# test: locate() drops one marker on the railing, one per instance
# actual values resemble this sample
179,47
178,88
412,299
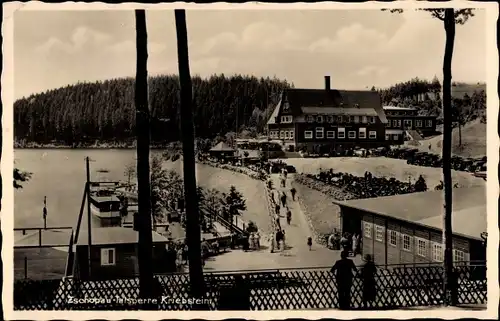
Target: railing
265,289
40,238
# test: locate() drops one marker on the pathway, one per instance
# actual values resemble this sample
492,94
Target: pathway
297,254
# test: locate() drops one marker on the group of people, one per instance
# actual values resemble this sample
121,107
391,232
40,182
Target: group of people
253,241
345,270
350,243
367,186
279,200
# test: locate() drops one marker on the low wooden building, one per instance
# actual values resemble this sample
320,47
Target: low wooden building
114,254
222,151
408,228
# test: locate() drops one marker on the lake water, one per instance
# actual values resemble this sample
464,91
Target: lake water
60,175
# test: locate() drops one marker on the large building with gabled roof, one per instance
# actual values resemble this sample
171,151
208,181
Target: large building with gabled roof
325,120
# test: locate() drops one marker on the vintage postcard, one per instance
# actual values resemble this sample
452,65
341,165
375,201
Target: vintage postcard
255,160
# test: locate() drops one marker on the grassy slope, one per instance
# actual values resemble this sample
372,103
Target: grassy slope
473,141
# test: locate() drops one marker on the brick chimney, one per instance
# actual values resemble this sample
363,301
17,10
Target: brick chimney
327,83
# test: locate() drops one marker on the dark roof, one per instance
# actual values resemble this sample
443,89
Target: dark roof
426,208
222,147
321,98
115,235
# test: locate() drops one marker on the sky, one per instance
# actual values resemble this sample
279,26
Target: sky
358,49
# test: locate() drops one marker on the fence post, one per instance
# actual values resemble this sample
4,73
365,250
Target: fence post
40,237
25,267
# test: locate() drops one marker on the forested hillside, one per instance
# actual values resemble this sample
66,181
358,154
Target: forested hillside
469,100
104,112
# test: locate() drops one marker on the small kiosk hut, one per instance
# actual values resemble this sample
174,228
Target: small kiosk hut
222,151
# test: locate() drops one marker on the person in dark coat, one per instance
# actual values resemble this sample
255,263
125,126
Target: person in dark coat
369,285
283,199
293,191
343,269
235,298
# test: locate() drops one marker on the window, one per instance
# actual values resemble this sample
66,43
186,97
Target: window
108,257
407,123
368,230
395,136
393,238
372,120
356,119
352,134
319,132
421,247
362,133
286,119
458,256
287,135
329,119
341,133
348,119
292,134
282,134
406,243
372,134
428,123
418,123
379,233
364,120
309,118
437,252
396,123
330,134
387,136
340,119
319,119
308,134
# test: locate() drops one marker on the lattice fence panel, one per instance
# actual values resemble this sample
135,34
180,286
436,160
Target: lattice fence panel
396,287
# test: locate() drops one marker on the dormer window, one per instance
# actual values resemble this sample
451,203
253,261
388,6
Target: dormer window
372,120
319,119
309,118
286,106
340,119
286,119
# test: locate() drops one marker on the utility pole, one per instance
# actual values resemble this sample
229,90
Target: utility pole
143,139
192,210
89,214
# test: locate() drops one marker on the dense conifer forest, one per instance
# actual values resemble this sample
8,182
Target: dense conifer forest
103,112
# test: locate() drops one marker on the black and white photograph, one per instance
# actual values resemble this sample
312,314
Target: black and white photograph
295,158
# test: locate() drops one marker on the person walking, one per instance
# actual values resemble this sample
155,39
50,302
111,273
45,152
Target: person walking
293,191
277,209
257,240
343,270
288,215
283,199
368,272
309,242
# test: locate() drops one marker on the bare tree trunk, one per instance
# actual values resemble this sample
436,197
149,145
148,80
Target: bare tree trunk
449,25
143,181
192,210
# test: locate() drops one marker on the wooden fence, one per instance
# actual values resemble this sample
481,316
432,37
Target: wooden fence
397,287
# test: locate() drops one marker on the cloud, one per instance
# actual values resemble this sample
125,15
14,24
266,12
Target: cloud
81,39
372,71
352,38
256,37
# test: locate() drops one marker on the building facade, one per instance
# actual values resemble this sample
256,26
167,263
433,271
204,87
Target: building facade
325,120
405,123
395,229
